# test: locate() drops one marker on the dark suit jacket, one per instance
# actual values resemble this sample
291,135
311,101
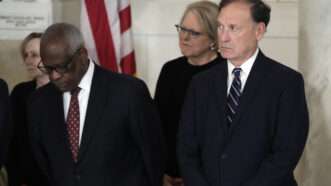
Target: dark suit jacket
21,166
121,141
266,138
5,125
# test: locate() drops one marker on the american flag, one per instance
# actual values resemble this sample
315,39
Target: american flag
106,28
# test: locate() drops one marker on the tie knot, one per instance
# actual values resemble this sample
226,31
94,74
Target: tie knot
75,91
236,72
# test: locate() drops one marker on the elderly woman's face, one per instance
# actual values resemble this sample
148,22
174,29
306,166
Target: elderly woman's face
31,57
193,42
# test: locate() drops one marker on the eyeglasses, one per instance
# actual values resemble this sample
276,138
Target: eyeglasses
191,33
59,68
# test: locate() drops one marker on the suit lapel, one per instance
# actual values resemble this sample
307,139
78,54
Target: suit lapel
96,102
56,120
255,78
220,87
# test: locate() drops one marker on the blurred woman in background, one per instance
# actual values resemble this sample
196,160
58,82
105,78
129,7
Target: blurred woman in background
197,33
22,168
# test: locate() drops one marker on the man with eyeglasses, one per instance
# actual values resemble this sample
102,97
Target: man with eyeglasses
90,126
245,122
60,68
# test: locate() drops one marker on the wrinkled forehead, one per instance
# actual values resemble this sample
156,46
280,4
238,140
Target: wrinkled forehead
235,13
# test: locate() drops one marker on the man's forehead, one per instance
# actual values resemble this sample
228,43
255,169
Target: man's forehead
238,7
235,13
53,55
54,49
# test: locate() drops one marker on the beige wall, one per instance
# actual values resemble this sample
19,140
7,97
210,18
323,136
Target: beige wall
156,39
156,42
11,68
314,57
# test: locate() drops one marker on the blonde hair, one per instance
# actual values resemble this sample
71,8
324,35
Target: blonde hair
26,40
206,13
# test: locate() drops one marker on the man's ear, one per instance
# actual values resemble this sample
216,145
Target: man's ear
260,30
83,50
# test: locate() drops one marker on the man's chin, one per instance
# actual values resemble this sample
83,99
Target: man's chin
61,87
226,54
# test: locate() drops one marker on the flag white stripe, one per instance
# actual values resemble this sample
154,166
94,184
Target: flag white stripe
123,4
127,39
122,42
87,33
114,24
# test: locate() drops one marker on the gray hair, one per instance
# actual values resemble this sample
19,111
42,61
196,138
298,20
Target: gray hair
63,33
206,13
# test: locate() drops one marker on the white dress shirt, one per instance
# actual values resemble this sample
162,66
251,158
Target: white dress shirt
83,97
245,70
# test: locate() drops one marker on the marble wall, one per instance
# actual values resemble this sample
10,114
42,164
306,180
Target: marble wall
298,36
314,62
155,37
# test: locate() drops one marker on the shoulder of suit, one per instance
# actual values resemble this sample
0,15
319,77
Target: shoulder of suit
120,80
113,76
172,69
281,69
3,87
24,85
3,83
211,73
43,92
174,63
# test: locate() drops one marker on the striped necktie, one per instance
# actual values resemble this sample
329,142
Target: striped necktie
234,96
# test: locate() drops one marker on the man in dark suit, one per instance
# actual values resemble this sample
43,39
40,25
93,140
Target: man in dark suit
245,121
90,126
4,121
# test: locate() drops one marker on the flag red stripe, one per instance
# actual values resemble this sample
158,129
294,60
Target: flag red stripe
128,64
125,19
97,14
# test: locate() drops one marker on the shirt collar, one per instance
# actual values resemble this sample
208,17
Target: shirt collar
246,66
85,83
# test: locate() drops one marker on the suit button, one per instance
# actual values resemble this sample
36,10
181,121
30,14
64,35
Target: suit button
77,177
224,156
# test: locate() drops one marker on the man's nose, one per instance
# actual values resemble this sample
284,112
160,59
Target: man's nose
54,75
223,36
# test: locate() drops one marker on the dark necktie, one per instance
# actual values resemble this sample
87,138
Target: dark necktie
73,123
234,96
